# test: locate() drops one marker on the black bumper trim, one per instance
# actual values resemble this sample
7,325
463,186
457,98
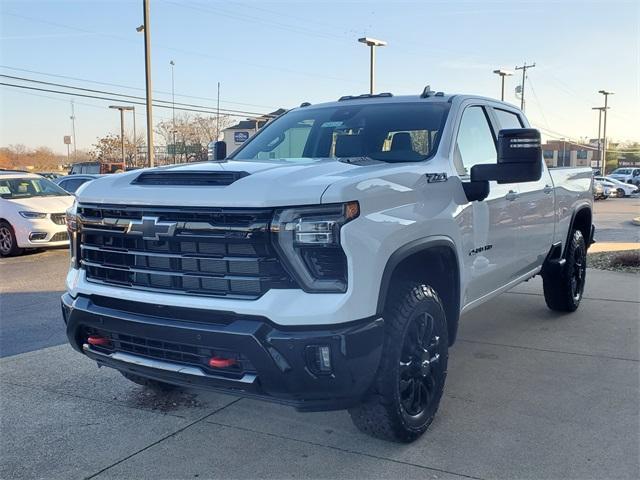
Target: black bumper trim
356,349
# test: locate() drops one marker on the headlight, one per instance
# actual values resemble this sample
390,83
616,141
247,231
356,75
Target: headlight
308,240
33,214
72,229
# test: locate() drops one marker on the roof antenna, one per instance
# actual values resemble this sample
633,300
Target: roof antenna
427,92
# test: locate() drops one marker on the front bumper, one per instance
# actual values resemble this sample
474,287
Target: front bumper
51,231
280,369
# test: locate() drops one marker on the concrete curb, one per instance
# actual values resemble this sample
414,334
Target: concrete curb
613,247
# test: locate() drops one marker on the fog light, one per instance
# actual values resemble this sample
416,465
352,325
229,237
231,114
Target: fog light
35,236
319,359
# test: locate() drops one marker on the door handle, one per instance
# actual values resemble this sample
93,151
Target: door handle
512,195
547,189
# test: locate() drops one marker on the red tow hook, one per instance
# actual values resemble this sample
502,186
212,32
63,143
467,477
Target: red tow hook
98,341
219,362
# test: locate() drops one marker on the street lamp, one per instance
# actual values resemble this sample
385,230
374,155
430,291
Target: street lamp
600,110
173,107
503,73
604,132
122,108
372,43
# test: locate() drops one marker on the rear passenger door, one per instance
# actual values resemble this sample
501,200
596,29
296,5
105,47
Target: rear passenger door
488,227
534,207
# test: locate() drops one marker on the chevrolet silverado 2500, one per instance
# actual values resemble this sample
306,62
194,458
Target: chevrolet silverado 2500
325,264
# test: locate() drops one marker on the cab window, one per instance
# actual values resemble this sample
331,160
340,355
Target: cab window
475,143
508,119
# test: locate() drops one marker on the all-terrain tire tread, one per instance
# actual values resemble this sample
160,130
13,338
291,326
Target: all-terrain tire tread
376,416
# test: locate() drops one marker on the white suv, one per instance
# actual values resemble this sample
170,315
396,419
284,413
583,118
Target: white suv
32,213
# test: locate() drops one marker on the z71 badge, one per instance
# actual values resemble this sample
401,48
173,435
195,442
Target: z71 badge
436,177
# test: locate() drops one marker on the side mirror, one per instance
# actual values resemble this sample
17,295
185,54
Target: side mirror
519,158
219,150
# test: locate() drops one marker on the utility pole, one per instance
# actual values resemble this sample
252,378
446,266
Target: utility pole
524,73
173,108
604,131
503,73
135,139
146,28
372,43
73,126
600,110
218,115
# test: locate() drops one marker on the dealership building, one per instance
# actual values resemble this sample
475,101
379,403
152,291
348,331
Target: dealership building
239,133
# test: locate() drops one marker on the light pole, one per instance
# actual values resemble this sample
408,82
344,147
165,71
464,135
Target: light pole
173,108
372,43
122,108
600,110
146,28
503,73
73,127
604,132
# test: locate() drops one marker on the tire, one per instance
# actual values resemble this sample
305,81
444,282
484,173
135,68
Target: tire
8,242
563,292
410,380
621,193
147,382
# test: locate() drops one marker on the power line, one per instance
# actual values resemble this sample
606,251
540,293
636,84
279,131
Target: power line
238,113
130,87
111,99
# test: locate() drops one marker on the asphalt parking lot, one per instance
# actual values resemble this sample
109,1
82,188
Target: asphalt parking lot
530,394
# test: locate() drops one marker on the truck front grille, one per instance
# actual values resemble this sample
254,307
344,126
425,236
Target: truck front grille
214,252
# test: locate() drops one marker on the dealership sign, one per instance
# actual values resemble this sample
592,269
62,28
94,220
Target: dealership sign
240,137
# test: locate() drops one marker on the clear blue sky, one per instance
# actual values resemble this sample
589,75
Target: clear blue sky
278,54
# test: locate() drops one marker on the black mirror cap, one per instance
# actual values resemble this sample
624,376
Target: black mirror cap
519,158
519,145
219,150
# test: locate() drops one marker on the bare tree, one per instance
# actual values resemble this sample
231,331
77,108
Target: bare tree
191,135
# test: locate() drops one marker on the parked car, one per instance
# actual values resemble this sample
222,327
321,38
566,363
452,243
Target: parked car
621,189
626,175
326,263
600,191
71,183
32,213
97,168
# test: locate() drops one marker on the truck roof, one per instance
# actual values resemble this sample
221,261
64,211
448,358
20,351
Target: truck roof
433,97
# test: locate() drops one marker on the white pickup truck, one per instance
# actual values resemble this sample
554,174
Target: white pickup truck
326,263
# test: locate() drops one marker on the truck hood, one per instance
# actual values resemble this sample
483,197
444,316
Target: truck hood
58,204
267,184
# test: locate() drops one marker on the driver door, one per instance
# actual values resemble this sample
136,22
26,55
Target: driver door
488,227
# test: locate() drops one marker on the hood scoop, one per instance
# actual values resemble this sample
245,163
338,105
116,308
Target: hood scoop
188,178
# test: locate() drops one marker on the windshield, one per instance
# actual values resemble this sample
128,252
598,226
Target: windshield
391,132
622,171
29,187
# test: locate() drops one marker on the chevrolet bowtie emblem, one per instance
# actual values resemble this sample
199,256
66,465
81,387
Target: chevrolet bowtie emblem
151,228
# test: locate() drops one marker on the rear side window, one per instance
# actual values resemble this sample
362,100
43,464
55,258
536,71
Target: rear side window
72,184
508,119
